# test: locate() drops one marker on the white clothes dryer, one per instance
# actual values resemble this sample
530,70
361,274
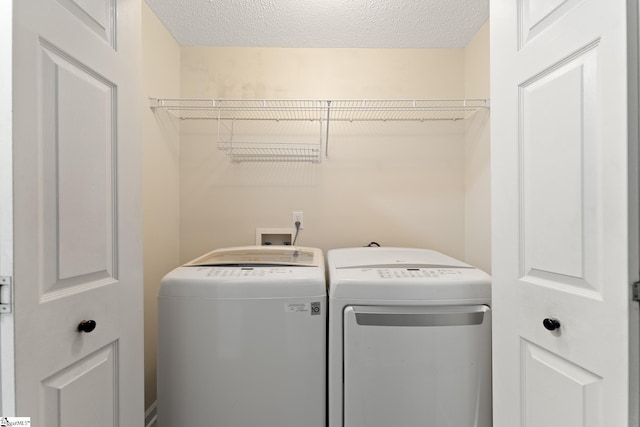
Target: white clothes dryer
409,339
242,339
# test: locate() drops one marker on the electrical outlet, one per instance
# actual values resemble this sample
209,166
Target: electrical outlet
297,217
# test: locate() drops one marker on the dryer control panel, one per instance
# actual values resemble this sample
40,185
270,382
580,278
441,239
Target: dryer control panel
406,273
401,273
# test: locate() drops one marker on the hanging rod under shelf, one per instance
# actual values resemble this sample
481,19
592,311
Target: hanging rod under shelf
305,110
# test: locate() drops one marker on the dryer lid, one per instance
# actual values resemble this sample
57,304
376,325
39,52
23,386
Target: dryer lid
386,274
389,257
261,255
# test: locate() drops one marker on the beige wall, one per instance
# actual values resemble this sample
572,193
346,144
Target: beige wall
418,185
397,184
477,155
161,78
250,73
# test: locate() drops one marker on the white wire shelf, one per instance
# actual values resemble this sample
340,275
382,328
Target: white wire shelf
272,152
339,110
231,113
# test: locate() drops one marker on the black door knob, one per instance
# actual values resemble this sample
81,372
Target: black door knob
551,324
87,326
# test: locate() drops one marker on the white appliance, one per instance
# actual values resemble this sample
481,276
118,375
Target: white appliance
242,339
409,340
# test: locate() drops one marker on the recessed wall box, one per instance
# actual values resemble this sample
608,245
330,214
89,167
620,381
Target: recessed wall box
274,236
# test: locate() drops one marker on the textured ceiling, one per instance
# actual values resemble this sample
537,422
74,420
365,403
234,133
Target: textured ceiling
323,23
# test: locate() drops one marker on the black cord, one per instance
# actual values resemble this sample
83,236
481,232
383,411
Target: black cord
296,235
372,244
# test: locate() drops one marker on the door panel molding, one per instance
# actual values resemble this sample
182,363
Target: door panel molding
98,16
92,380
78,220
537,16
560,136
573,392
561,283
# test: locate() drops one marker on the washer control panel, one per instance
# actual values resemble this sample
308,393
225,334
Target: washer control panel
225,272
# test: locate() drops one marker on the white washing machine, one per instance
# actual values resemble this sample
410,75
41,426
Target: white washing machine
409,340
242,339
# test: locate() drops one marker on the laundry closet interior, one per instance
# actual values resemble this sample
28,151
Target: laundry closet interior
398,178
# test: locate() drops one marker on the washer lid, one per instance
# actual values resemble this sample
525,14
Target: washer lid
261,255
250,272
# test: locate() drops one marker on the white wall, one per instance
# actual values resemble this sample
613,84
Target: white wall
397,184
477,155
161,78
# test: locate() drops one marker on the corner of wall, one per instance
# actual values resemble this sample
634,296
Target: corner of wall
161,208
476,56
477,155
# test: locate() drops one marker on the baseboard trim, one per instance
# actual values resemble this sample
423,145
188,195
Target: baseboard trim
151,416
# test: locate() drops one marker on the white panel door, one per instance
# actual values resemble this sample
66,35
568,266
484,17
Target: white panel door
77,216
565,218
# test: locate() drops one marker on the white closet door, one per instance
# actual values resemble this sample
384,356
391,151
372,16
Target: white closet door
77,215
565,218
